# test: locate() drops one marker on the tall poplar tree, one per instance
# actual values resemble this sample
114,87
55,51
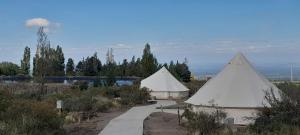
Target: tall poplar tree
41,59
149,62
25,62
59,62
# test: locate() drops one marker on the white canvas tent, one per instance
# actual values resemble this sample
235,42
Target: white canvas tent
239,90
163,85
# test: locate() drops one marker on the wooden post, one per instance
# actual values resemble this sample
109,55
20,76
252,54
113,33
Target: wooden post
218,119
161,108
178,114
60,111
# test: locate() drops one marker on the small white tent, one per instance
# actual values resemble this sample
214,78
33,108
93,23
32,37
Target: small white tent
239,90
163,85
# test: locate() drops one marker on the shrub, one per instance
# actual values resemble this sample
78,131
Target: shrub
5,101
292,90
102,104
282,113
82,85
31,117
83,101
203,123
110,92
132,95
98,83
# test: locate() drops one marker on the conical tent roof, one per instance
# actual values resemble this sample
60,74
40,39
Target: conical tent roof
237,85
163,80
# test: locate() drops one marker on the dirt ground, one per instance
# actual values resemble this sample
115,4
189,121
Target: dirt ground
94,125
160,123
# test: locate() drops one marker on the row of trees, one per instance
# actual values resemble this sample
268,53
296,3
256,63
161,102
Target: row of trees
50,61
142,67
92,66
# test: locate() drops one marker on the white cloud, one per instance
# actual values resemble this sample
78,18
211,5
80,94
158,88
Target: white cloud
42,22
39,22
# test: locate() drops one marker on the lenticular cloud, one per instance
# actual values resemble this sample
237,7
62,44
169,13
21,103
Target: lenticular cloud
40,22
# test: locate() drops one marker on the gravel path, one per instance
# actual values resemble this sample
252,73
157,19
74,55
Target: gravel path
131,122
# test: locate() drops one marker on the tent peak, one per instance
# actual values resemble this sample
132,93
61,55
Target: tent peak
164,69
239,59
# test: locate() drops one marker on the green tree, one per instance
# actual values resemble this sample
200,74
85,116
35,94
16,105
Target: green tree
183,72
131,67
149,62
8,68
111,73
70,67
59,62
80,68
25,62
172,69
91,66
96,64
139,67
124,68
180,71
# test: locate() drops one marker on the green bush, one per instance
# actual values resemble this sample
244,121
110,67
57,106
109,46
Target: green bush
202,123
292,90
90,100
110,92
31,117
282,113
132,95
82,103
98,83
82,85
5,101
102,104
24,114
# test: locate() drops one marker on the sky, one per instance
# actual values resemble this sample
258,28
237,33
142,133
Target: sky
206,32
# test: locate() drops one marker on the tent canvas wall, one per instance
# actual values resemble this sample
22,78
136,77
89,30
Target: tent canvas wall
163,85
239,90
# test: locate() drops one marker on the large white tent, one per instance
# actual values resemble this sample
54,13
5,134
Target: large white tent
239,90
163,85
